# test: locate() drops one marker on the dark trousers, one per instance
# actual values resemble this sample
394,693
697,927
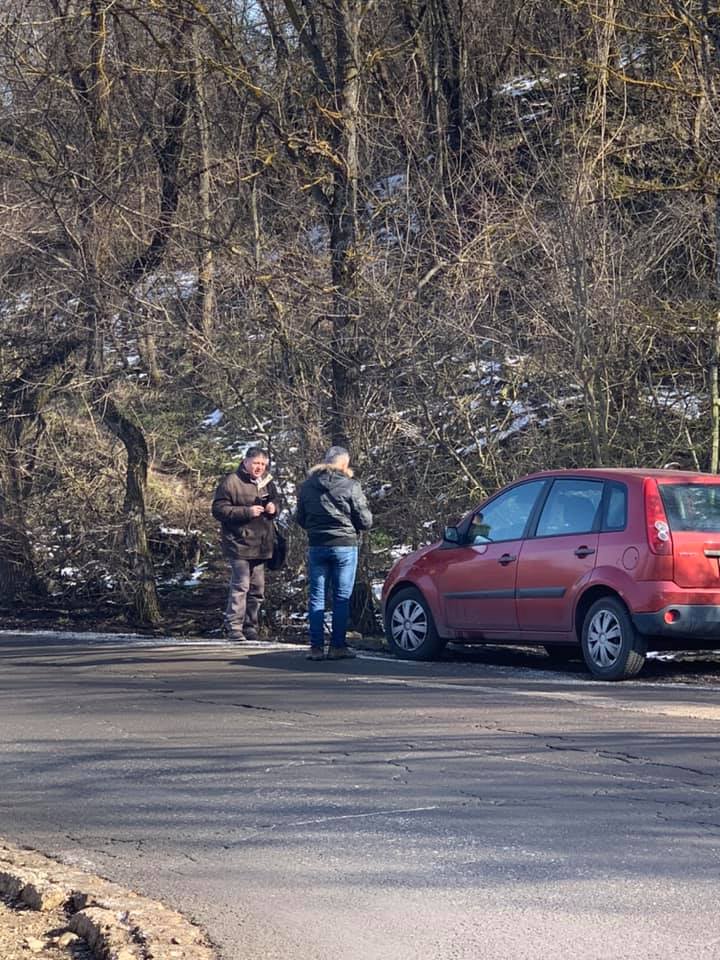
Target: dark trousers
246,593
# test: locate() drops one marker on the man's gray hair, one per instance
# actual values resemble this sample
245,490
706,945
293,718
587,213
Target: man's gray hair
336,453
252,452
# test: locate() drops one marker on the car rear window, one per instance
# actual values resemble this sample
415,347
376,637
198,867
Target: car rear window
692,506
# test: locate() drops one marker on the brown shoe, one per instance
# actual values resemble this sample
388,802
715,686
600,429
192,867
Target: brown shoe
315,653
341,653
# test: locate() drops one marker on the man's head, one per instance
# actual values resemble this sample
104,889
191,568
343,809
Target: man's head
337,457
255,462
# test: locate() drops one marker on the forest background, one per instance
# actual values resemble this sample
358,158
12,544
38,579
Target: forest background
468,238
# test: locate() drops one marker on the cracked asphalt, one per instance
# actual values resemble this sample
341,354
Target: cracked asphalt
482,807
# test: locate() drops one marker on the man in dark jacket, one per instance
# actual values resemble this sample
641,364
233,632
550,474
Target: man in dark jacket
333,510
245,503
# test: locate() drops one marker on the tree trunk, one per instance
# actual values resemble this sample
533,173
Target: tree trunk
17,569
149,351
715,399
141,590
206,266
22,402
344,227
715,356
363,612
344,265
18,578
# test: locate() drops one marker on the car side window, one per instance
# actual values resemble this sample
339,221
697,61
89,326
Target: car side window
571,507
505,517
616,509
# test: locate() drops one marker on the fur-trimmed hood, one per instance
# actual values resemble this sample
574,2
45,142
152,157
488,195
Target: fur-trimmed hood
332,507
346,471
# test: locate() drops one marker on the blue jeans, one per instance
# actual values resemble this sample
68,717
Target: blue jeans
330,568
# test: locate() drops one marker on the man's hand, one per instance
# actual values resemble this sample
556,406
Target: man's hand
257,510
270,508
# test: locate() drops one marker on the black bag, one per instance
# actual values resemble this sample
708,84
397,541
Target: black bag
280,547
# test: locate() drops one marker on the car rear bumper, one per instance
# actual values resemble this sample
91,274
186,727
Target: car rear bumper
694,621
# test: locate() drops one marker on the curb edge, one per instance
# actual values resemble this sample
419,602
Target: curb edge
117,923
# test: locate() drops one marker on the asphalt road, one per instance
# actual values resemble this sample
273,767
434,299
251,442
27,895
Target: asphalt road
477,808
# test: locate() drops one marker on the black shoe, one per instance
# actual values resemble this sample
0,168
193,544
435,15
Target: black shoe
315,653
251,635
341,653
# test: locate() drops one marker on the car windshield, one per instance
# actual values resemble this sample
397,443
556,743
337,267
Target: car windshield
693,507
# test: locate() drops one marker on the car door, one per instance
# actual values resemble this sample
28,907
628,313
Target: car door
559,554
477,582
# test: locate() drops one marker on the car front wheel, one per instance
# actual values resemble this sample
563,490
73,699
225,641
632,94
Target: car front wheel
611,646
409,627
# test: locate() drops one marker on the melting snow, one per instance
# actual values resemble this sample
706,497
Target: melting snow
213,419
688,405
518,86
388,186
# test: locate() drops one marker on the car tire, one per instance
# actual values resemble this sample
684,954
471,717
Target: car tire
409,627
612,647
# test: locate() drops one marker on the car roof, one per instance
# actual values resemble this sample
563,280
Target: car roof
634,473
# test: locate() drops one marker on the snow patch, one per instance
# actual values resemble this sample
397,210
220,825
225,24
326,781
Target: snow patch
389,186
685,404
212,419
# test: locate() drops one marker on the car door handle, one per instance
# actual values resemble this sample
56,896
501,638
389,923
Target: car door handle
507,558
584,552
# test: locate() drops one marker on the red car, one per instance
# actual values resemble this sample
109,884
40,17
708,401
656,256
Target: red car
603,560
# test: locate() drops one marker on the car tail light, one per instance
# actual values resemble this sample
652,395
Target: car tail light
656,524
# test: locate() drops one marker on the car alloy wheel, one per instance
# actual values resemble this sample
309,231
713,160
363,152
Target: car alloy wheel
604,638
612,647
410,628
409,625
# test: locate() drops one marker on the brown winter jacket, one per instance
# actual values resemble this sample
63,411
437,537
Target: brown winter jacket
245,537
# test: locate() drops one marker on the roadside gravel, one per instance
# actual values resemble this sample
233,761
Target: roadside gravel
27,933
53,911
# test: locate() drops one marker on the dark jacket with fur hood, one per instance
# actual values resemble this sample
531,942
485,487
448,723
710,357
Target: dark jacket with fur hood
332,508
245,537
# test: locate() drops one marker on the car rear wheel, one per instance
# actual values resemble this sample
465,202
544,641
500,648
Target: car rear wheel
409,627
612,647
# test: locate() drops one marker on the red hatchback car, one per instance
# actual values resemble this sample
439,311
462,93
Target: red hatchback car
609,560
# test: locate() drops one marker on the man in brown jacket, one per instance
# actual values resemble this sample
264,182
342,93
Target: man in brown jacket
245,503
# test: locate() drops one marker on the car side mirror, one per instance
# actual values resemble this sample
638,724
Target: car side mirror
451,535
